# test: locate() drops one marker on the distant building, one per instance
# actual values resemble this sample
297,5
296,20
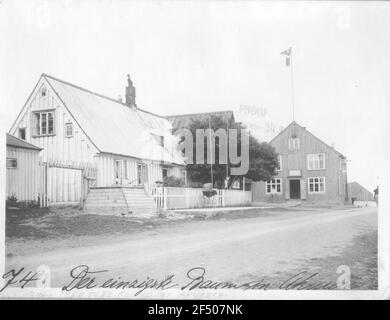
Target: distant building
182,121
23,180
357,191
309,169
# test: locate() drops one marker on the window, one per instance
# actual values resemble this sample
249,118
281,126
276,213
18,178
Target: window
279,167
316,185
125,173
12,163
69,130
43,123
273,186
293,144
22,133
43,92
316,161
159,139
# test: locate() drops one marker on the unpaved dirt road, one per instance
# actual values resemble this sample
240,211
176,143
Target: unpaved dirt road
229,250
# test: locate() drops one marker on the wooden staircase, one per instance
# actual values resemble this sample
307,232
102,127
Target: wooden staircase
138,202
120,201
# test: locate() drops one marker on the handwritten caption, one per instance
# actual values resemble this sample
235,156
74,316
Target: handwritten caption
82,277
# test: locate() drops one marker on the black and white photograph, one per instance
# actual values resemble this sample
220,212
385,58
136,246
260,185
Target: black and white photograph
213,150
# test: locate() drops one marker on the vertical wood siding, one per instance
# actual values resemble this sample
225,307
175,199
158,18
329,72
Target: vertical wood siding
77,148
23,181
65,185
106,170
297,160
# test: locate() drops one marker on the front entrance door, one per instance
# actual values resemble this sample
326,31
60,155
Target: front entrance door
118,172
141,174
295,189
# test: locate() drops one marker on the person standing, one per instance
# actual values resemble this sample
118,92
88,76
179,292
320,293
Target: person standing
376,193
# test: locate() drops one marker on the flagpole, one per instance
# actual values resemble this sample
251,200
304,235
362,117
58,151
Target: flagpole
289,63
292,85
211,156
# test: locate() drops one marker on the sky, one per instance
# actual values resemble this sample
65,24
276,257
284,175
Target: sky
188,57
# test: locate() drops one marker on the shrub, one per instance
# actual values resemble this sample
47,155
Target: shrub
12,201
172,181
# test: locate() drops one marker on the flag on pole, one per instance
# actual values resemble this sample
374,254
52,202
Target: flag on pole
287,53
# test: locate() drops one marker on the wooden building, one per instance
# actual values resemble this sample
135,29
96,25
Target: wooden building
184,121
309,170
23,181
93,141
357,191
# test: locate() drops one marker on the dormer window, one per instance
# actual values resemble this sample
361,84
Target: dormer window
159,139
69,130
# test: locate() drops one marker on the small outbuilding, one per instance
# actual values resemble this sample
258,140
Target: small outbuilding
23,180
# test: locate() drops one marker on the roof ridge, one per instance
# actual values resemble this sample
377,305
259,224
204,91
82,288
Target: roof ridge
81,88
98,94
197,114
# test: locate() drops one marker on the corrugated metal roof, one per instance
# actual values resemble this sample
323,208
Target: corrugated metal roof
184,120
116,128
13,141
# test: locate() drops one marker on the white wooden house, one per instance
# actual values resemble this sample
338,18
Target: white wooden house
23,180
94,144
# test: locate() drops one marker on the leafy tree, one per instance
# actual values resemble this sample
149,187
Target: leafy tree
262,156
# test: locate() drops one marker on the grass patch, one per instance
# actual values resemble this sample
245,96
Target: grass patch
39,224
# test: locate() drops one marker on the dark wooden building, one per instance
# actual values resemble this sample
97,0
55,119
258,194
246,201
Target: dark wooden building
309,169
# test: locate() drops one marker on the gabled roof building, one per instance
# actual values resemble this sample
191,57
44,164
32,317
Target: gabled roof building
181,121
78,128
309,169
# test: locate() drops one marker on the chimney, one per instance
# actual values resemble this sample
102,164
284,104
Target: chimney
130,93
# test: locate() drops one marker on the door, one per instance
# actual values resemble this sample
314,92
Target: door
165,173
295,189
118,172
141,174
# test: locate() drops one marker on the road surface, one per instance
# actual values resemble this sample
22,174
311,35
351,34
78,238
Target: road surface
228,250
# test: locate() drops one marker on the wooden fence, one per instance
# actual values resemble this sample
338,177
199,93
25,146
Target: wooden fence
182,198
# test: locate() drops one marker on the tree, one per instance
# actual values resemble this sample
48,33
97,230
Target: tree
263,159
